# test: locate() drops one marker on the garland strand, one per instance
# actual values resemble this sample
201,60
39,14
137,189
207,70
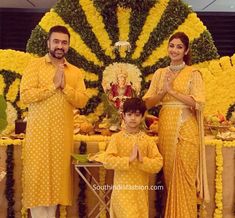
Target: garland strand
218,144
108,12
159,200
218,213
138,18
63,212
102,175
9,192
82,208
77,19
174,16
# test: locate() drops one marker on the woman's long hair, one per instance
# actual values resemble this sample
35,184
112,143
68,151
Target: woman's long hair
185,40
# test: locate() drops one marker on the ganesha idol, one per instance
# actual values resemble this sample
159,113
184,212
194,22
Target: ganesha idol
121,81
121,90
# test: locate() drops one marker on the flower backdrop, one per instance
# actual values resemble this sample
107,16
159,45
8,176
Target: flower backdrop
96,25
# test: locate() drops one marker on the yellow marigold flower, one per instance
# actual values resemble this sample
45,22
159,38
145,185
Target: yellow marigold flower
152,20
13,91
21,60
96,21
92,92
2,85
21,105
225,62
215,67
63,212
90,76
123,16
233,60
192,26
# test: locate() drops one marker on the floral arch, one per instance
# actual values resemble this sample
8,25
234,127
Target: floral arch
95,27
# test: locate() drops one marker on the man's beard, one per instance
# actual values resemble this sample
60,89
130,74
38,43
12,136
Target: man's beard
54,55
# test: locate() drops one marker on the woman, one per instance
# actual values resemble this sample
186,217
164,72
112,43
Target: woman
180,90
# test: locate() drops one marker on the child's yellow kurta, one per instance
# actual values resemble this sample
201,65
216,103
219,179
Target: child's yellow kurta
49,134
179,142
130,194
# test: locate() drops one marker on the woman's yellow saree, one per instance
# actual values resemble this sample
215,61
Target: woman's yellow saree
181,143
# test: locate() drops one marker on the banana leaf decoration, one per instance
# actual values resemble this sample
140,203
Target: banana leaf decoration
3,115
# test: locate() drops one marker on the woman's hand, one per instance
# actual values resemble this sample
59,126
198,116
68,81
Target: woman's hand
186,99
168,82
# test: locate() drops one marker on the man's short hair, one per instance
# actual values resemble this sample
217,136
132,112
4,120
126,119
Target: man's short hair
58,29
133,105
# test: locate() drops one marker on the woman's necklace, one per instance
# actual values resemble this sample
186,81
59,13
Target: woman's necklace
176,68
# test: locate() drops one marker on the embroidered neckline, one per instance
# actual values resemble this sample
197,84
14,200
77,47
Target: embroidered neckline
133,134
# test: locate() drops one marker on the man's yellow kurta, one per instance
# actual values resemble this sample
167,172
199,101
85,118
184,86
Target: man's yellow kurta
130,194
49,134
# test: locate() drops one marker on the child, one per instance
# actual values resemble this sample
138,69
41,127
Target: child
133,156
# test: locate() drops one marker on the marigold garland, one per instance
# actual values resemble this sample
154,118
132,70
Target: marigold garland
14,61
63,212
9,191
218,213
8,141
219,144
225,63
187,27
11,117
219,86
82,208
24,212
97,25
13,91
102,174
173,16
159,194
2,85
152,19
123,16
88,20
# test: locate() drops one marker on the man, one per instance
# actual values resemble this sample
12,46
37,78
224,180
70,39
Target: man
51,87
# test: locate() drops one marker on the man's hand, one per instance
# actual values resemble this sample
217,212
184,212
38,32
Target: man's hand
62,85
59,75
